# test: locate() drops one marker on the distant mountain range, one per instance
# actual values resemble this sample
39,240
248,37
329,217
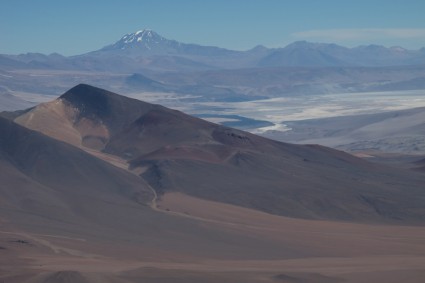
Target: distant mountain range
145,49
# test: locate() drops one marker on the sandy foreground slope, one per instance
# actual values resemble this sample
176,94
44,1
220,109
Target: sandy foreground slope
304,250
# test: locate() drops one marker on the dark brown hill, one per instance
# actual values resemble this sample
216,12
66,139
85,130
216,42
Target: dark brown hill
176,152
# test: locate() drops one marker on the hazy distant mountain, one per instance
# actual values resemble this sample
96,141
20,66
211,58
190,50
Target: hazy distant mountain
177,152
42,61
9,63
143,83
304,53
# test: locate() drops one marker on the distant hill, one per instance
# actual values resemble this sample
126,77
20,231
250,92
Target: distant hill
393,131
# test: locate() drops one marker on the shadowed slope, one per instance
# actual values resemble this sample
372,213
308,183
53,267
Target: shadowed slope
45,177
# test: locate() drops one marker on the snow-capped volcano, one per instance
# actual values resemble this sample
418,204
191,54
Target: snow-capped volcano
147,42
146,37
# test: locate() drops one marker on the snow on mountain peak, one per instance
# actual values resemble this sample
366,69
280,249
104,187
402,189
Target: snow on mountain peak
398,49
145,36
145,39
147,32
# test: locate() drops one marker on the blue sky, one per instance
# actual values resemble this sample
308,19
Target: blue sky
78,26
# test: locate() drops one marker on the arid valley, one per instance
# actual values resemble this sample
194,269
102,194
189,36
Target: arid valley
128,156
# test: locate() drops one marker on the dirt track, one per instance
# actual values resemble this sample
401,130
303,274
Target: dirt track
348,252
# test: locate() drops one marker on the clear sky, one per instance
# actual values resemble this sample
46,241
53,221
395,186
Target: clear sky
73,27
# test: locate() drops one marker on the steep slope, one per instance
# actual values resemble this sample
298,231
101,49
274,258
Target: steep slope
177,152
85,116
